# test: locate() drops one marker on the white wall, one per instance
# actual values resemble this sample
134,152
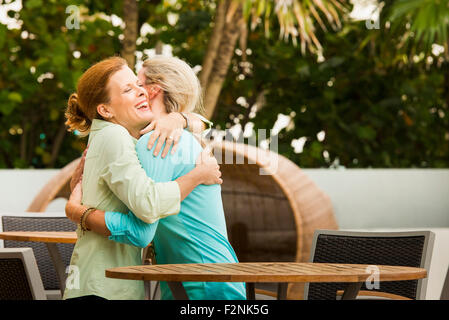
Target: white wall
386,198
365,198
19,187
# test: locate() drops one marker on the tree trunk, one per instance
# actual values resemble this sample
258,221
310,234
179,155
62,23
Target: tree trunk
57,142
130,17
23,141
159,47
445,70
221,63
214,42
7,158
32,144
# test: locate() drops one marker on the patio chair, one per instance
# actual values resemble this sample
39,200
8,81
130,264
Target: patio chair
412,249
445,291
41,222
20,278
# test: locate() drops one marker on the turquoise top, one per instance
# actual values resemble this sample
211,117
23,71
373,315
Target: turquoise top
196,235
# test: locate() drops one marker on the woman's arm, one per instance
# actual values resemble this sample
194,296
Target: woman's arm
74,210
95,221
169,130
207,170
119,227
122,172
126,228
125,177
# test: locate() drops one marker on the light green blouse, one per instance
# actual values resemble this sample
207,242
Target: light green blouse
114,180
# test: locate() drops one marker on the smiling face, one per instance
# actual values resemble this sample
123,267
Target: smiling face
128,105
155,96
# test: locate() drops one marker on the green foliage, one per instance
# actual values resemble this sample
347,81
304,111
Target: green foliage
428,21
39,71
373,114
377,107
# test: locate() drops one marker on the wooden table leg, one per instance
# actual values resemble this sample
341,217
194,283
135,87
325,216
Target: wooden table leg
282,291
351,291
147,261
250,291
58,263
147,286
178,290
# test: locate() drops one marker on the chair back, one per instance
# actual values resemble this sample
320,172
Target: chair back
20,279
411,249
42,223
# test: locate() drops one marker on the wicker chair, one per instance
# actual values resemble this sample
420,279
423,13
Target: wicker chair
44,261
411,249
20,279
272,208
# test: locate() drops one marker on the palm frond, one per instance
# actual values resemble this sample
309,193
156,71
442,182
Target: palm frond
297,18
428,22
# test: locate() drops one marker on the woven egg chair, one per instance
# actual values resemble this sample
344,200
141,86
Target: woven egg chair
272,208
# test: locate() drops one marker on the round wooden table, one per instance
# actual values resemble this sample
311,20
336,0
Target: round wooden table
50,238
280,272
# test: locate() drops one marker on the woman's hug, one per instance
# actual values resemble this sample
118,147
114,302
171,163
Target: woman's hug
126,194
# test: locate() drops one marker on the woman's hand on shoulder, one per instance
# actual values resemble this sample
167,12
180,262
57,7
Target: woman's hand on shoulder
168,129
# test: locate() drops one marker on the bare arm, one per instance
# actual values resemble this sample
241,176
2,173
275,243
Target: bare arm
74,210
118,227
96,219
169,130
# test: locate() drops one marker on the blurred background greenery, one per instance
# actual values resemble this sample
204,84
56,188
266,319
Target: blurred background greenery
337,89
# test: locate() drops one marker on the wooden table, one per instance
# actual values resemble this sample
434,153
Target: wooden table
251,273
50,238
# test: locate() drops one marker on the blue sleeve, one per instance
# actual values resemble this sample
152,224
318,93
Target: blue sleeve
128,229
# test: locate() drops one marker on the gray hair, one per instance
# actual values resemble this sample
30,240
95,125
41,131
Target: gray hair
182,89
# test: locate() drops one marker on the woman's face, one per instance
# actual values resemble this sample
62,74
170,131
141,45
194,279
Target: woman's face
156,100
128,104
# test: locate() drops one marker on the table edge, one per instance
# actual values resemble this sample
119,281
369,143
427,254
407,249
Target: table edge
110,273
13,236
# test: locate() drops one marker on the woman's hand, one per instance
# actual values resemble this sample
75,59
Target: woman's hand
74,209
168,129
208,167
77,193
78,173
207,171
